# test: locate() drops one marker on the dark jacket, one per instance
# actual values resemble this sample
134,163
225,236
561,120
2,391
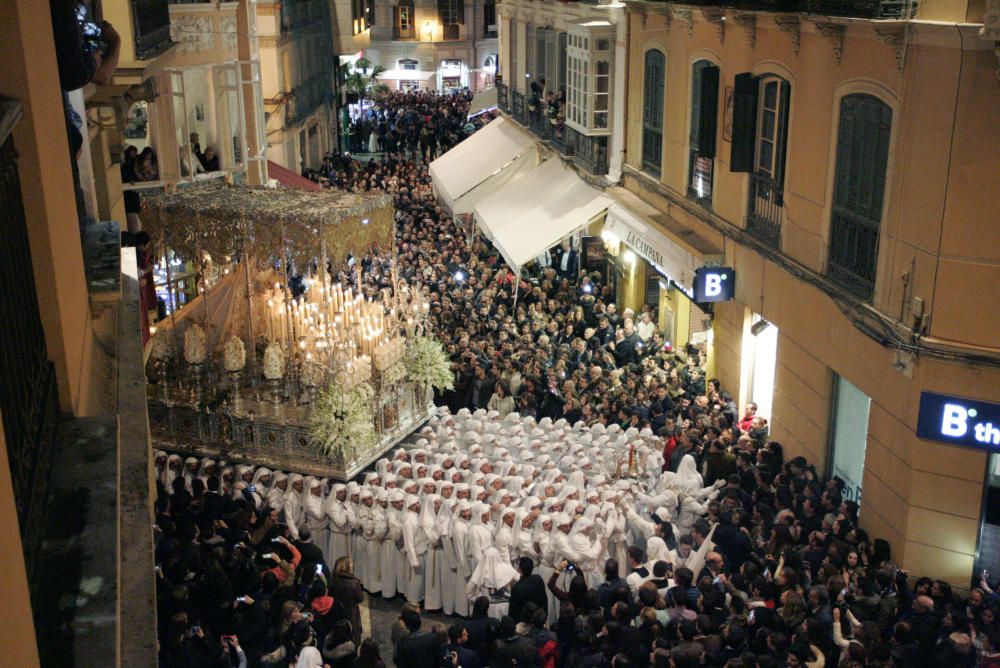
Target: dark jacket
347,592
466,657
417,650
516,652
528,589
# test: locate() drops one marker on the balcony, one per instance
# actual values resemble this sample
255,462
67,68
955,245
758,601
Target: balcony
590,152
853,252
503,97
151,26
519,107
403,33
452,32
764,210
872,9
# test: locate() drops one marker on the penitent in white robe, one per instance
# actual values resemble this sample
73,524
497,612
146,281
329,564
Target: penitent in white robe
340,528
389,553
373,530
463,565
414,549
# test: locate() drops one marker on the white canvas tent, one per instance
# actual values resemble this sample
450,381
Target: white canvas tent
483,101
532,214
492,157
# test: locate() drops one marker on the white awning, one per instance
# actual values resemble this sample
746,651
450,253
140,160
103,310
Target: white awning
482,101
479,165
406,75
538,210
638,231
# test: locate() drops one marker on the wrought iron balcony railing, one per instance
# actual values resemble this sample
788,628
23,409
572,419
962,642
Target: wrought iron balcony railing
503,98
853,252
452,32
518,107
881,9
590,153
764,210
403,33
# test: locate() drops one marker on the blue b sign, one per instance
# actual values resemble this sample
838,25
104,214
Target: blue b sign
974,424
714,284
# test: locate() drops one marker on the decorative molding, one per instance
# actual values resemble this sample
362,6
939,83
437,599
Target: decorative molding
748,21
228,24
835,33
685,15
792,26
894,36
716,16
193,33
663,10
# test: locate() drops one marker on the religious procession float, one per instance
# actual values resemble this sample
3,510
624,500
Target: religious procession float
320,376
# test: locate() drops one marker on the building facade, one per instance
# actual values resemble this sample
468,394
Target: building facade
298,79
842,158
433,44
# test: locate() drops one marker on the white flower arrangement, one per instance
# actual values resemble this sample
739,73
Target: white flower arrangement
342,423
396,373
274,362
234,354
428,364
163,346
195,344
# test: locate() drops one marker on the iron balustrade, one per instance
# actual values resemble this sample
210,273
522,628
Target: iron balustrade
590,152
503,97
452,32
151,26
28,396
403,33
853,252
764,210
518,107
880,9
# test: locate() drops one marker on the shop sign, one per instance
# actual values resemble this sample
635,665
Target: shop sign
973,424
643,247
714,284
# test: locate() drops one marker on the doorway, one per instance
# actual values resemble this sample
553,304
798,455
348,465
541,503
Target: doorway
760,355
849,436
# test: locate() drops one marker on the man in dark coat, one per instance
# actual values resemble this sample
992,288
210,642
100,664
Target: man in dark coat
420,648
529,589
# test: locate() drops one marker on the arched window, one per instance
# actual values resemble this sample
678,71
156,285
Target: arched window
652,111
859,192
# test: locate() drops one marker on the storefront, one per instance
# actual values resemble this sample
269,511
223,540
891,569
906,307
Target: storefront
655,269
453,74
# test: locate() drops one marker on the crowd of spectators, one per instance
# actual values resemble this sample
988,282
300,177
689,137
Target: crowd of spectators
790,578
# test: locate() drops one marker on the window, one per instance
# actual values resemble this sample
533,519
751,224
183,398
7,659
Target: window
404,23
654,71
451,12
859,190
490,18
589,54
760,135
704,112
359,22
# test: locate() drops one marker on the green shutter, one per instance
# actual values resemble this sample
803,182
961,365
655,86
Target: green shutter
744,122
782,146
708,110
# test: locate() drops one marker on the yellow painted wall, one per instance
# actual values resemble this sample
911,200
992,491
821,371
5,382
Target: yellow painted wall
938,225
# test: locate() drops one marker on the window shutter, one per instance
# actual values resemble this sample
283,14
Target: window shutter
709,105
460,11
744,122
786,94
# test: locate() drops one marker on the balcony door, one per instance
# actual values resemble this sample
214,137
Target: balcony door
704,115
